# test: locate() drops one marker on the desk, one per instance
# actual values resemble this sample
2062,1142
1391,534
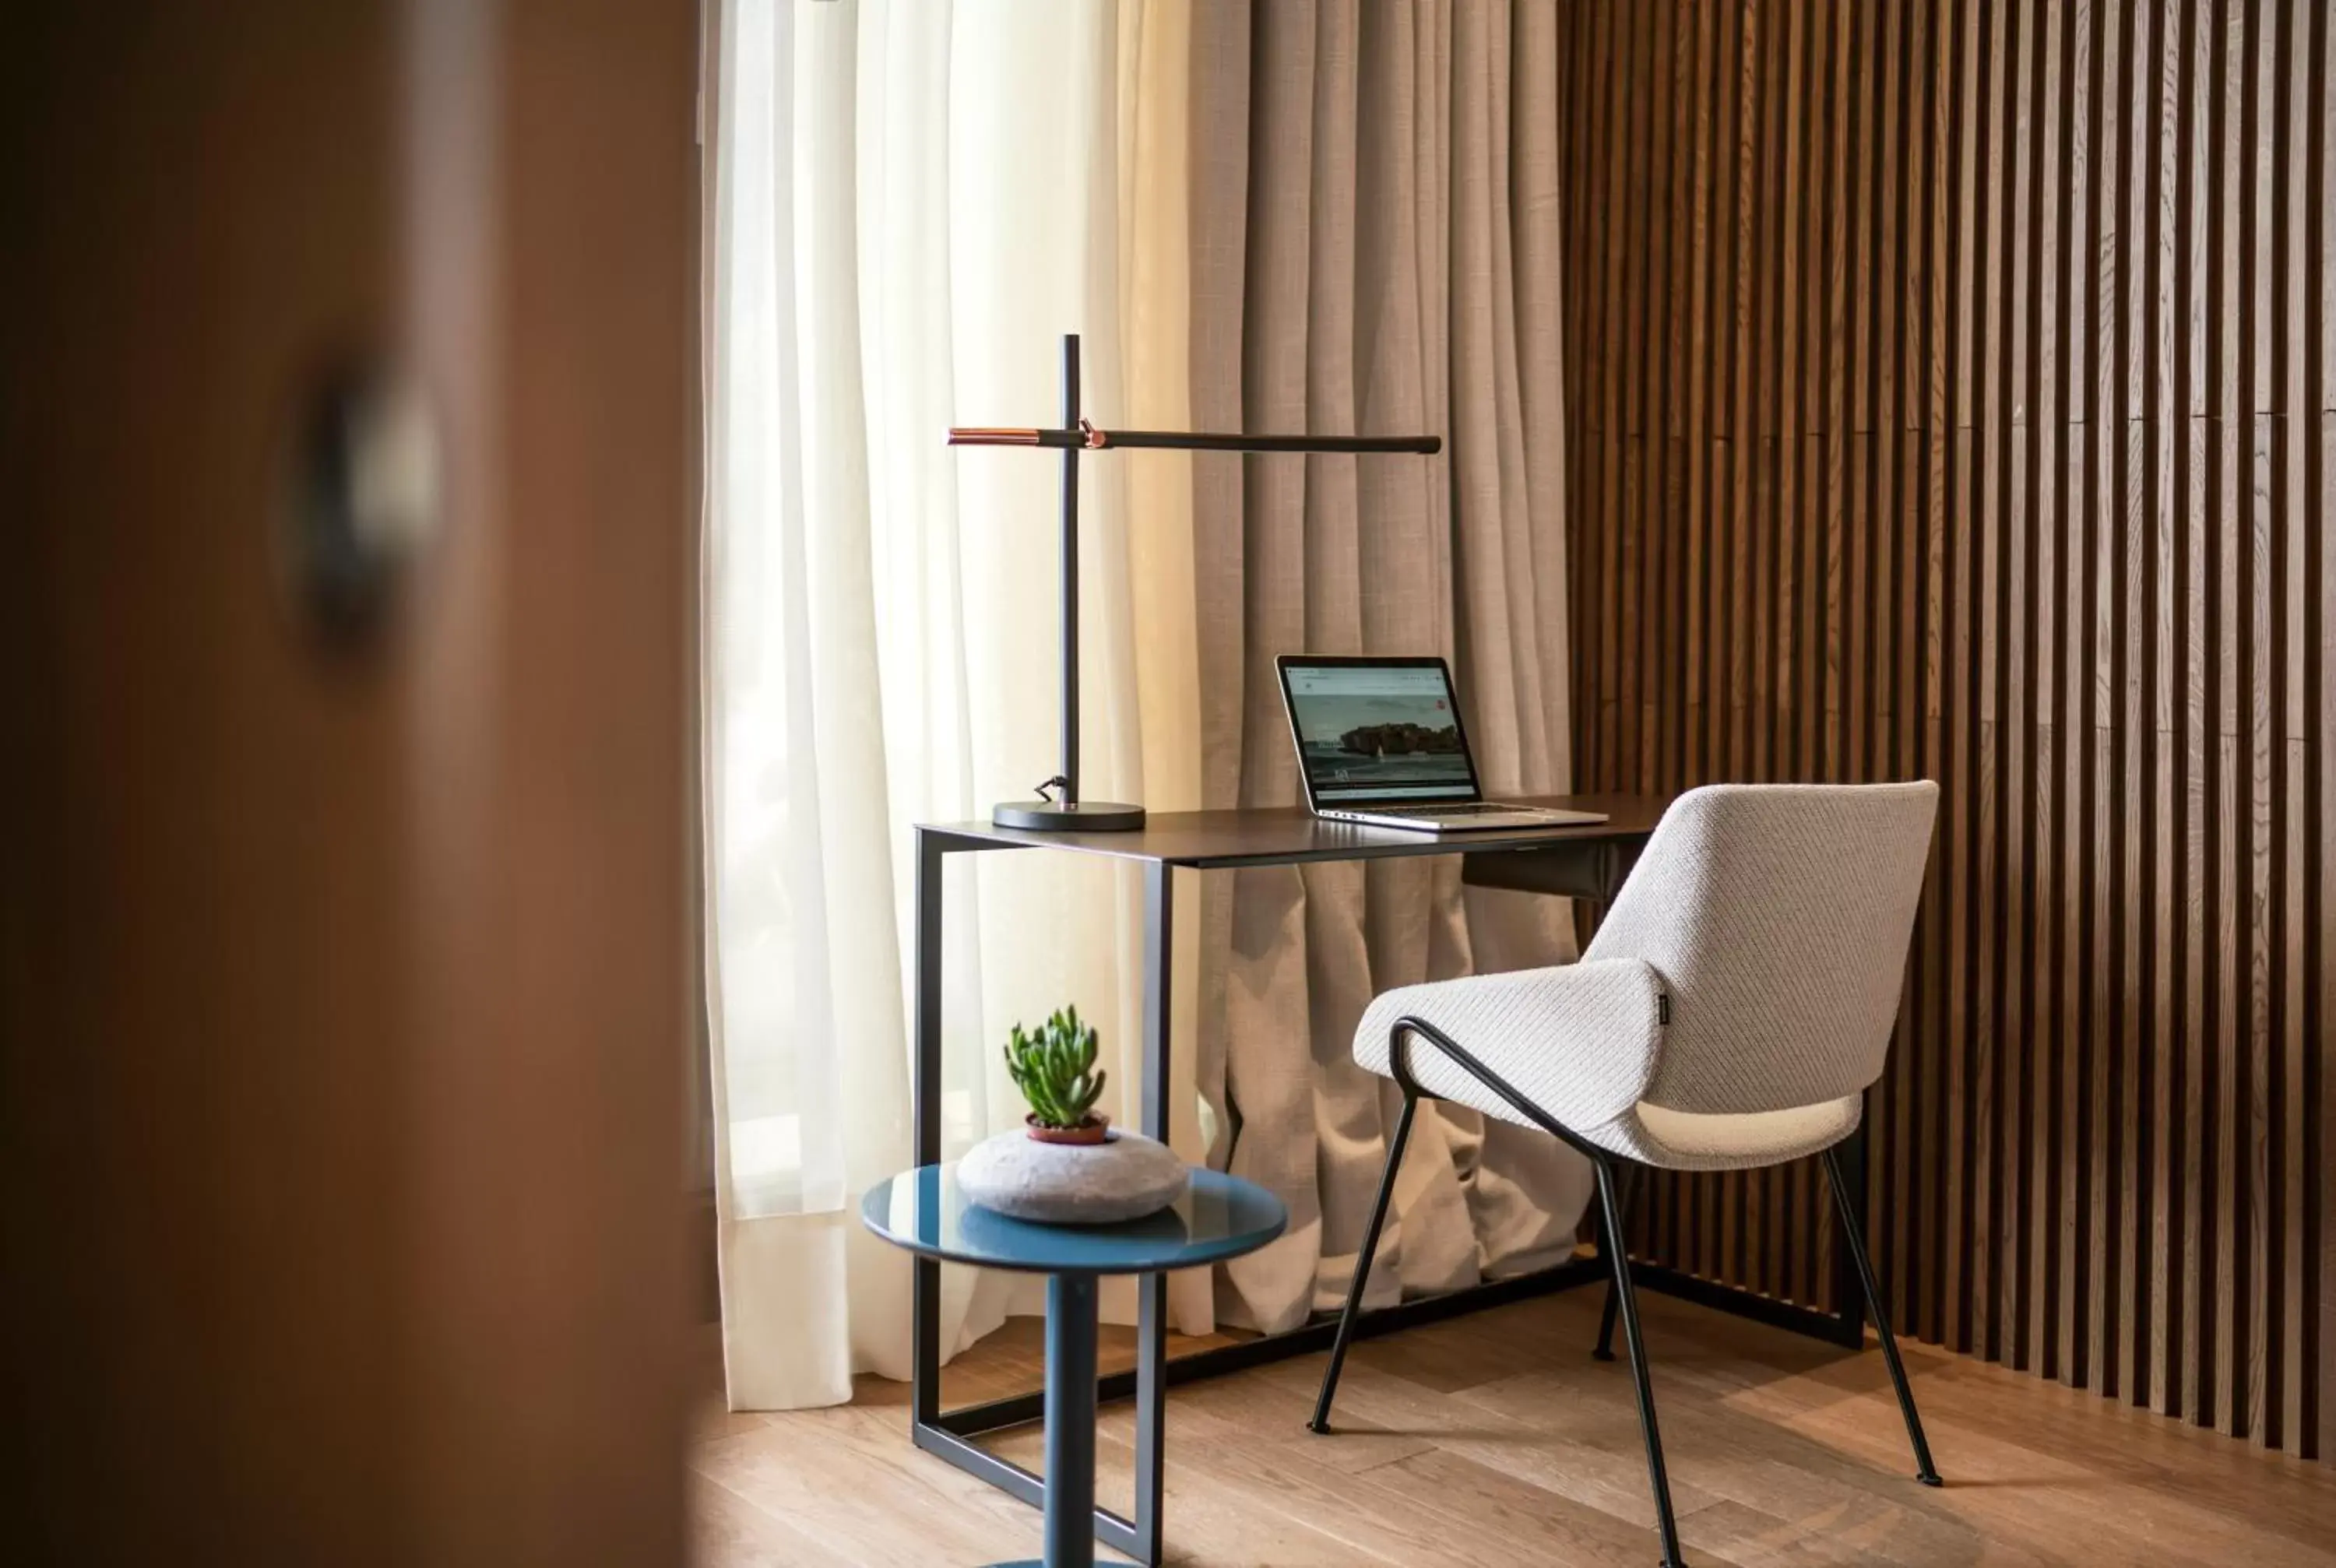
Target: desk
1587,863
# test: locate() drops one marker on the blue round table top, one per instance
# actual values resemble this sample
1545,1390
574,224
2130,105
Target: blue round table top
1220,1217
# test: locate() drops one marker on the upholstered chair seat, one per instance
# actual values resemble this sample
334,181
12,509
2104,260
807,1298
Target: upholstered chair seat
1567,1036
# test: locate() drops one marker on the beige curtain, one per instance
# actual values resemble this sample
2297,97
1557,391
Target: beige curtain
1374,235
911,201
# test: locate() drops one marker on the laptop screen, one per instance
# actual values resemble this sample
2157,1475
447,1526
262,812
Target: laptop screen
1377,731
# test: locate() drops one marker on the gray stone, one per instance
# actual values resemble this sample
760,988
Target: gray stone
1124,1177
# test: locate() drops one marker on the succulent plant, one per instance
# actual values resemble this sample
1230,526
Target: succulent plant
1054,1066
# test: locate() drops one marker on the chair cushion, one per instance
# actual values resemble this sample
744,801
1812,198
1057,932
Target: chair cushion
1579,1040
1730,1140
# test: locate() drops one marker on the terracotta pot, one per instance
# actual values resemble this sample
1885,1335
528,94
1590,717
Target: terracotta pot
1092,1131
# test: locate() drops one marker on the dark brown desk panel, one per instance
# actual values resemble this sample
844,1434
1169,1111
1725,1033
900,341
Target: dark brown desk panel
1291,835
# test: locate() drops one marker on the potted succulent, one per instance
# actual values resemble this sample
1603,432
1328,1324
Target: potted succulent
1055,1069
1067,1165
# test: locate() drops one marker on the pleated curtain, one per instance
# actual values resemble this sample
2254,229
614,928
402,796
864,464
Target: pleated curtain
1374,227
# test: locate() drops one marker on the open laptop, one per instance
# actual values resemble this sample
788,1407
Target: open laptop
1379,741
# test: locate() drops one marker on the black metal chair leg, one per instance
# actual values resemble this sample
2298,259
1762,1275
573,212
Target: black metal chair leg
1619,1251
1853,1233
1321,1421
1632,1339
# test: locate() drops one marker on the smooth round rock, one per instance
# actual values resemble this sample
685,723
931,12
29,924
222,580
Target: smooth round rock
1124,1177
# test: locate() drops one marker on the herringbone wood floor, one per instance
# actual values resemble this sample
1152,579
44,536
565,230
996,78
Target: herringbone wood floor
1495,1440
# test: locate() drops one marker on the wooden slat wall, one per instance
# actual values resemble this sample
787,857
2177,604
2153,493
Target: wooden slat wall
1952,398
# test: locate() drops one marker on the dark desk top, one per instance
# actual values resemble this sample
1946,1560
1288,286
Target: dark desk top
1291,835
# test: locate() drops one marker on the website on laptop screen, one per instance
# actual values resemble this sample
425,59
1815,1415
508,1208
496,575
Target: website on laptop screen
1378,732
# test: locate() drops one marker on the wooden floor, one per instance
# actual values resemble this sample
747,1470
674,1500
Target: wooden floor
1495,1439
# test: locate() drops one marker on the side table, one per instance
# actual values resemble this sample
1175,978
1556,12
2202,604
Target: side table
1221,1217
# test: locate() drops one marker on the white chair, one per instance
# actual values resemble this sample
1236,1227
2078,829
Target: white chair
1733,1009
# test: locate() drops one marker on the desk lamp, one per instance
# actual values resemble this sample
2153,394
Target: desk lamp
1058,808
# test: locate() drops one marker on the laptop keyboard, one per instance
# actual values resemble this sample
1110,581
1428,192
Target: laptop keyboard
1459,810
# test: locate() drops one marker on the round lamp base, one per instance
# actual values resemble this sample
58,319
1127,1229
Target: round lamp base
1086,817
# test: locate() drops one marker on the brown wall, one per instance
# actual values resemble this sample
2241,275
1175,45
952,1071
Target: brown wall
344,975
1953,391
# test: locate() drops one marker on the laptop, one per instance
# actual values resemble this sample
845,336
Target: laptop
1379,741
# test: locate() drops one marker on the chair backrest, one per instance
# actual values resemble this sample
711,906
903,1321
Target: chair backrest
1778,916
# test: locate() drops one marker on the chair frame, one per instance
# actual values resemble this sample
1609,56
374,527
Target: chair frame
1611,1170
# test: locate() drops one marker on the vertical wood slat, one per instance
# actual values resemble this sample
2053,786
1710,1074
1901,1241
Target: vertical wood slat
1955,396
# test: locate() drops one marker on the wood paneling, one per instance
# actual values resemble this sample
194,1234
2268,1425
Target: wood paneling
1953,397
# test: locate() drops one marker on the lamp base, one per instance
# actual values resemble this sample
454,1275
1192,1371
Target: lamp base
1086,817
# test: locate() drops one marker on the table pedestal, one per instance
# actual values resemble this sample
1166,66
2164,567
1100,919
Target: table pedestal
1070,1422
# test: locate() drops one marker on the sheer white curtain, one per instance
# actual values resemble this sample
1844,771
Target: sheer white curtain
910,203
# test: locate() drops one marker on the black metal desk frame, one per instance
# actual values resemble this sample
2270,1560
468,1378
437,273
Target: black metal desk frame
1588,863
